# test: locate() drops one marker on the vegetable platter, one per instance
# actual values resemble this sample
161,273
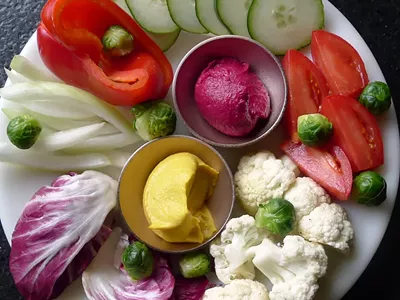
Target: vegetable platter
63,131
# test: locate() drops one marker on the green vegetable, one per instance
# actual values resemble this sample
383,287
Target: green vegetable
153,120
369,188
194,264
23,131
277,215
117,41
314,129
138,261
376,97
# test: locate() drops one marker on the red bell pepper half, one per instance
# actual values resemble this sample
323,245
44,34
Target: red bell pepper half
69,40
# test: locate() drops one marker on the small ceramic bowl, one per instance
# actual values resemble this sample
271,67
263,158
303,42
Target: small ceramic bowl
262,62
138,168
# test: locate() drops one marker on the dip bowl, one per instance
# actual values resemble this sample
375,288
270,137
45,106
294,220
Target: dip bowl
262,62
136,172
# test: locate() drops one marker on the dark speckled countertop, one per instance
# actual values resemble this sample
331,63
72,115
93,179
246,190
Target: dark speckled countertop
378,21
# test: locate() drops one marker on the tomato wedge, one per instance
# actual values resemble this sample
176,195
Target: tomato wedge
355,131
329,167
340,63
307,87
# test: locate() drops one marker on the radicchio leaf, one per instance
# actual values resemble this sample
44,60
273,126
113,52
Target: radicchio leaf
58,223
105,279
190,289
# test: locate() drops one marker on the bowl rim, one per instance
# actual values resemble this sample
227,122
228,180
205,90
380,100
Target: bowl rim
216,234
235,145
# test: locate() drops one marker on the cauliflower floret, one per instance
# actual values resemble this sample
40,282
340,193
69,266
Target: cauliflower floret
240,289
327,224
232,260
260,178
293,268
290,165
294,290
305,195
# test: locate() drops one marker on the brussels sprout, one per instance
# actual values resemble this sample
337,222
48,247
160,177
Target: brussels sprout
153,119
314,129
376,97
194,264
138,261
369,188
277,215
23,131
117,41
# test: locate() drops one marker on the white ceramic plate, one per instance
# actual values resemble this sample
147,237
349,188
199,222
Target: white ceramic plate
17,185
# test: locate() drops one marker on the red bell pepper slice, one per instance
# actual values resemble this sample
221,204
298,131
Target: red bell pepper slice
69,41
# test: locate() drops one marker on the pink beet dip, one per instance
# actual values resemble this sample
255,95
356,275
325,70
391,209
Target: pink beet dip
231,98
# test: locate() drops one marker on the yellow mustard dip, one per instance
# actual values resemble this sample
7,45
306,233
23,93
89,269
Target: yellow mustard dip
174,199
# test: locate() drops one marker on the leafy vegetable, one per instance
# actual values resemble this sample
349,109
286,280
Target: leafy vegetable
29,70
190,289
23,131
138,261
53,230
52,162
376,97
104,279
194,264
62,93
154,119
117,41
369,188
277,215
15,77
314,129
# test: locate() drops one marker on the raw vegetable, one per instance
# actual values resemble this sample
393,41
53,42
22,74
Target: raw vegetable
305,195
165,40
277,215
183,13
54,230
104,279
70,46
369,188
340,63
238,289
314,129
15,77
62,93
293,269
117,41
376,97
281,25
189,289
206,11
153,16
329,167
194,264
356,131
138,261
23,131
29,70
52,162
153,120
230,250
261,177
306,89
234,15
327,224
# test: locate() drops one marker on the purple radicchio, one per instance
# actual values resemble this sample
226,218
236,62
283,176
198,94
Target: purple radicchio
59,232
106,279
190,289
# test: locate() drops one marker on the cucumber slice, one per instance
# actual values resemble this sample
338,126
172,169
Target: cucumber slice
165,40
233,13
122,4
206,11
152,15
281,25
184,15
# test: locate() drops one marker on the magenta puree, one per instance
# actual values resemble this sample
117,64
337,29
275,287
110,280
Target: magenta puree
231,97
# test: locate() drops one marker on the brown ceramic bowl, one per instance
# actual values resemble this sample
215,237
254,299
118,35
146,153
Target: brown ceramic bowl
138,168
262,62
